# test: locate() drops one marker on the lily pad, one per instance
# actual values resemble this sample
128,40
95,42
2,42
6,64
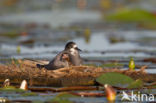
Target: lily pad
115,79
65,95
30,94
136,84
132,15
63,98
11,89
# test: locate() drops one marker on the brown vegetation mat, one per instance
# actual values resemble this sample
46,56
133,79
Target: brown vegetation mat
73,76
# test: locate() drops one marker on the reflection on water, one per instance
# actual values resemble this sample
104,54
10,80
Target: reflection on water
54,18
98,46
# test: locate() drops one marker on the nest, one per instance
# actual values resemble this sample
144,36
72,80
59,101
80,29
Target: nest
71,76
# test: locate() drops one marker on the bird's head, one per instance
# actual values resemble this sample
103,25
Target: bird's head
72,47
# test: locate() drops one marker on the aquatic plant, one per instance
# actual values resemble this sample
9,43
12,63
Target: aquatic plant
140,17
132,15
18,49
63,98
136,84
11,89
131,64
87,35
29,94
119,80
114,79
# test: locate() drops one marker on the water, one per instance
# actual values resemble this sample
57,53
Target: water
47,41
99,42
55,18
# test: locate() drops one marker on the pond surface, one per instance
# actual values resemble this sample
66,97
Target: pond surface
40,97
137,44
44,42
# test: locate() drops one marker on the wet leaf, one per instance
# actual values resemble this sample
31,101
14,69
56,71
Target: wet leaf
115,79
136,84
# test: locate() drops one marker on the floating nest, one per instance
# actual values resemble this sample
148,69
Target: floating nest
71,76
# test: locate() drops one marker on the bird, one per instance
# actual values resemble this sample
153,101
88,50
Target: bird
69,56
66,57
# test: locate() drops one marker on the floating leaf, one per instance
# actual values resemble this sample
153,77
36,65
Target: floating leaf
29,94
65,95
132,15
136,84
62,98
115,79
11,89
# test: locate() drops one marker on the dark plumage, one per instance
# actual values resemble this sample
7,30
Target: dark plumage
69,56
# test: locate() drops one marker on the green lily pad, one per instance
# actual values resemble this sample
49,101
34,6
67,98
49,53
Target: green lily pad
11,89
63,98
132,15
29,94
115,79
136,84
65,95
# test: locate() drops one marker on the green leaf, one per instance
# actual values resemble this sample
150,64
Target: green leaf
136,84
63,98
29,94
11,89
65,95
132,15
115,79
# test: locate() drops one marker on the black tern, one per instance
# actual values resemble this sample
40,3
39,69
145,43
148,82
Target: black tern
69,56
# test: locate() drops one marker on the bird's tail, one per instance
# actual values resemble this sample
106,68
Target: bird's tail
40,66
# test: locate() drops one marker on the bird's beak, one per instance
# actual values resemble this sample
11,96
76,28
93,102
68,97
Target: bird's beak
78,49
